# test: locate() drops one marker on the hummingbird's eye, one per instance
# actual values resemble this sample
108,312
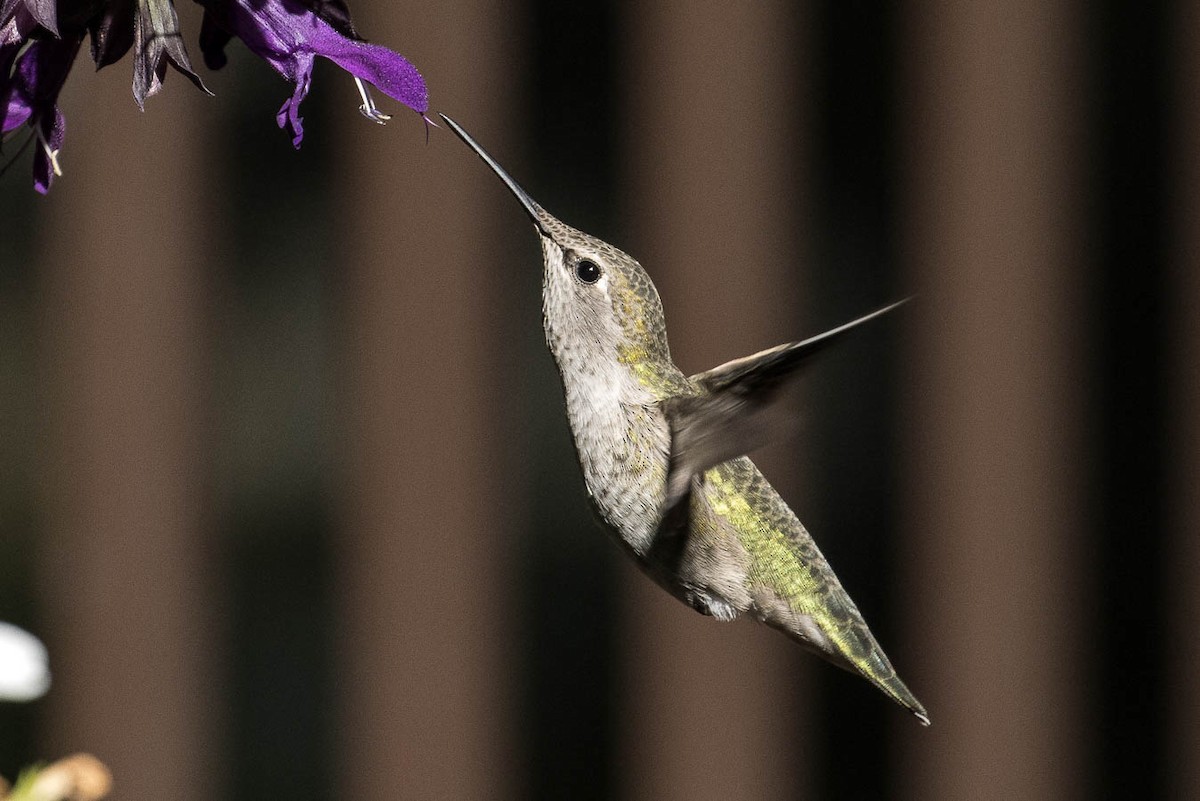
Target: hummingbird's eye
587,271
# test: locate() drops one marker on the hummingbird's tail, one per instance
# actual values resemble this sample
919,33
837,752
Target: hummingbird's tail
819,613
878,670
854,649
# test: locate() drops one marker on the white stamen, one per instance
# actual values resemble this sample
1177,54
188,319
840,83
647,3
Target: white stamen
368,108
51,153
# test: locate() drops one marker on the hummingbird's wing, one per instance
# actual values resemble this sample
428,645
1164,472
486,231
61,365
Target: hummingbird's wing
731,418
762,373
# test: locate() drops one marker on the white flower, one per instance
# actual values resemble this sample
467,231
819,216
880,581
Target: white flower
24,665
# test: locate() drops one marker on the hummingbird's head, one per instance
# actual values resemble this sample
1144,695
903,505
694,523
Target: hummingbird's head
599,304
600,307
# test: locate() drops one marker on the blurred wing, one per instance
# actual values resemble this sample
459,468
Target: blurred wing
732,418
756,377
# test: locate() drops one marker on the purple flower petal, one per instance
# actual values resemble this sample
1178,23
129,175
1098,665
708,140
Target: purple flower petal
289,112
389,72
31,97
288,36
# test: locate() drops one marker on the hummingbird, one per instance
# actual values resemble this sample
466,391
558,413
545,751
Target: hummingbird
664,458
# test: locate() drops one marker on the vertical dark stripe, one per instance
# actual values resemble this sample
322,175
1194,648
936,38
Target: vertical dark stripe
569,711
854,270
1182,574
271,394
20,520
1129,74
280,635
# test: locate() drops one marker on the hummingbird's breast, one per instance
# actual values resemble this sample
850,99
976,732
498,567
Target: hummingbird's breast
623,440
622,437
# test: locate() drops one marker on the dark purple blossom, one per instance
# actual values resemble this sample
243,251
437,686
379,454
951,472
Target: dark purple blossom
151,28
43,12
14,30
30,97
39,40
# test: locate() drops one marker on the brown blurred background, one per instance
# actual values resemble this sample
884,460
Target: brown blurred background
287,486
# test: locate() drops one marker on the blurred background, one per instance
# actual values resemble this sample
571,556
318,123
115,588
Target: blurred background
287,486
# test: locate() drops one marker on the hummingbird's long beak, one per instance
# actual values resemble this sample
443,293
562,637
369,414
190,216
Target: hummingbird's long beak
533,209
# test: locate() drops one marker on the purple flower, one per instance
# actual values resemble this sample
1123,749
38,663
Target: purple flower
30,97
39,40
289,36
